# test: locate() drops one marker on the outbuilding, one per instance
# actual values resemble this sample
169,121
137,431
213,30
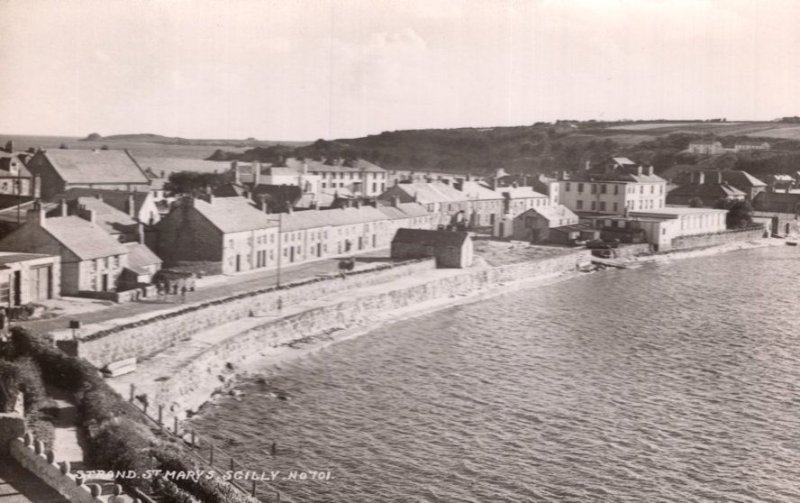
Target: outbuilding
450,248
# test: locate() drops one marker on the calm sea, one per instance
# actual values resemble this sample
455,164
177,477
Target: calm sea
673,382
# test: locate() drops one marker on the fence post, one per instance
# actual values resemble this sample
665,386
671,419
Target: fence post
232,467
176,424
194,437
253,492
211,455
160,415
133,392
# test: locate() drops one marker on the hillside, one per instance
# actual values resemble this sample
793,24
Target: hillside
545,147
176,140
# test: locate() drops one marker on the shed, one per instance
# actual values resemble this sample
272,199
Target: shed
450,248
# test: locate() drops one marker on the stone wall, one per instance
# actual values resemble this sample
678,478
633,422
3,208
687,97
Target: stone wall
704,240
191,385
148,336
30,454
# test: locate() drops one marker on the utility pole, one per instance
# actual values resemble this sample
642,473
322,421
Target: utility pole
280,249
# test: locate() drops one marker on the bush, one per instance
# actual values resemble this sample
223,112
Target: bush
123,445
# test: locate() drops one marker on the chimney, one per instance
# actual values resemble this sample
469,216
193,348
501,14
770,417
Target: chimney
235,168
162,173
256,173
494,183
588,165
719,177
650,170
140,233
701,178
62,206
85,214
396,201
36,187
639,169
130,206
10,146
358,203
459,185
35,215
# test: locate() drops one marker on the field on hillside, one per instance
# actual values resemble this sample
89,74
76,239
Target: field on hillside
753,129
138,149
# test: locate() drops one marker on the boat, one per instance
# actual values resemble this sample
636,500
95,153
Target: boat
791,243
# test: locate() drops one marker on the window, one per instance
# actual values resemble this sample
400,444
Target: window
602,206
580,187
603,189
616,207
616,189
652,189
579,204
594,205
641,189
594,189
566,187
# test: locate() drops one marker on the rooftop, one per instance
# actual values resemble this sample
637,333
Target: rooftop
233,214
95,166
430,237
83,238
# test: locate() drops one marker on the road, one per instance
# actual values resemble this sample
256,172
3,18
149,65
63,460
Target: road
211,288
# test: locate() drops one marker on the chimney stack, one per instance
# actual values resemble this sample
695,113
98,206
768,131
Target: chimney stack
719,177
256,173
35,215
140,232
62,206
650,170
396,201
701,178
86,214
130,206
235,169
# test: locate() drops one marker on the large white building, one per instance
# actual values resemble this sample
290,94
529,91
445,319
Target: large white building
615,187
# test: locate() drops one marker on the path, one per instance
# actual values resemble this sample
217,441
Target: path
212,287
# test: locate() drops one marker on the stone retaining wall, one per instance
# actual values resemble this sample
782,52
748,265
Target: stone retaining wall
704,240
148,336
30,454
191,385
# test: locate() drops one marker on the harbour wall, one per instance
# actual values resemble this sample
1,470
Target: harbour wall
146,336
720,238
190,386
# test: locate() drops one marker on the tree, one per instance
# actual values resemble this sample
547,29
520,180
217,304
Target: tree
695,202
740,215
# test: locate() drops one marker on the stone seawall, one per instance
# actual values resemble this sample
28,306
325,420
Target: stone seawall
705,240
190,386
152,334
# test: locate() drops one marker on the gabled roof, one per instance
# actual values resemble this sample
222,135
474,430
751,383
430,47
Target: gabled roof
7,160
139,256
233,214
403,210
83,238
432,192
330,218
550,212
430,237
116,198
706,190
109,218
520,192
11,213
741,179
318,166
476,191
95,166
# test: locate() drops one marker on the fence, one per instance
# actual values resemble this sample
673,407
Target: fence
216,456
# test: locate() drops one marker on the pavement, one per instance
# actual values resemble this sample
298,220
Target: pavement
89,311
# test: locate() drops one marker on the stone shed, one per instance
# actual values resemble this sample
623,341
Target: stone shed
450,248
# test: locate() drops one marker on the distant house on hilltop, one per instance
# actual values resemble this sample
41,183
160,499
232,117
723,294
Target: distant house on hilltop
706,147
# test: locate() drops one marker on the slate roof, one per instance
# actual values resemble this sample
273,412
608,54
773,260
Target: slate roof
318,166
15,257
618,169
706,190
109,218
520,192
403,210
233,214
10,214
139,256
115,198
95,166
330,218
476,191
777,202
551,212
433,238
84,239
433,192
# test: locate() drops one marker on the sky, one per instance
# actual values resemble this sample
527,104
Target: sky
308,69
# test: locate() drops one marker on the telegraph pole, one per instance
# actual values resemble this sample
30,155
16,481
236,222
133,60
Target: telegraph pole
280,249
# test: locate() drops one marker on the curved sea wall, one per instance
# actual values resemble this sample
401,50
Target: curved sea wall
110,342
192,385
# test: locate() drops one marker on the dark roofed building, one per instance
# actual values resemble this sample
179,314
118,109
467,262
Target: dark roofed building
63,169
140,205
450,248
777,202
708,192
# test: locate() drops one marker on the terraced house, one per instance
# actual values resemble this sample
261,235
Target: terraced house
614,187
359,177
446,204
226,233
